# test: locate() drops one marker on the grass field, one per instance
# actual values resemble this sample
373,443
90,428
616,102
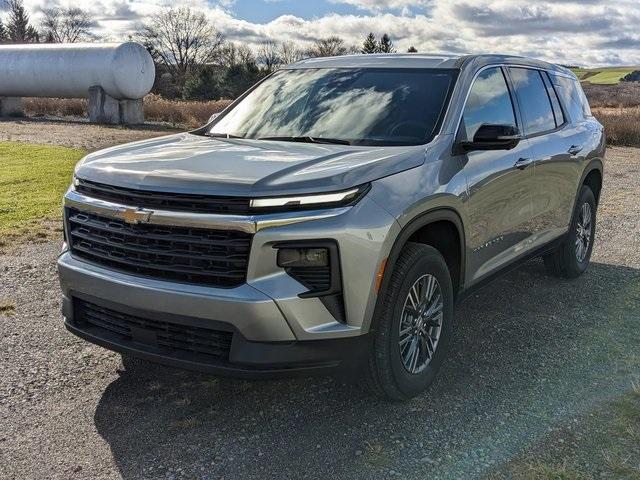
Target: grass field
603,76
32,181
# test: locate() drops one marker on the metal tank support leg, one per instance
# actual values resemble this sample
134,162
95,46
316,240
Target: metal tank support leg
108,110
11,107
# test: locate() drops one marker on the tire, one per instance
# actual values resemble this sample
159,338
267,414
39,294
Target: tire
386,374
570,260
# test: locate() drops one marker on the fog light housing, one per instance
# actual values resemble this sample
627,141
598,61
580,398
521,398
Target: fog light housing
316,265
303,257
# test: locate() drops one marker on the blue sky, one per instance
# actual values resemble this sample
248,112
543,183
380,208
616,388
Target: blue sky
263,11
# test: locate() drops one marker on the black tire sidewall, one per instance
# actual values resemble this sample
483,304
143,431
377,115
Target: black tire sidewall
407,383
575,268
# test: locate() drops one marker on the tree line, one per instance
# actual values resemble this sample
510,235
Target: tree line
194,61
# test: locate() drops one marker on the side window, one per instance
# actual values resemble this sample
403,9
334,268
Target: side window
572,97
533,100
555,103
488,102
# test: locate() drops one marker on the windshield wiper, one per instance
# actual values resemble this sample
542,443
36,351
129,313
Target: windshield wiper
308,139
222,135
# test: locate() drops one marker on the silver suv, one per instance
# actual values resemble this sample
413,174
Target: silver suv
331,217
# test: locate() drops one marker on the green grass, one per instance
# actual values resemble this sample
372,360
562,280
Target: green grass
607,438
33,179
604,75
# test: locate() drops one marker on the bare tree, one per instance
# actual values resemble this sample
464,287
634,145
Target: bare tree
329,47
290,53
269,56
19,30
182,40
235,54
67,25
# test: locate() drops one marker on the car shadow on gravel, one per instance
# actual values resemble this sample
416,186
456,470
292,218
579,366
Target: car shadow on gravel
529,353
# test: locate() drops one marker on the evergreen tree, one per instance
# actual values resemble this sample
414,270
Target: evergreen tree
412,49
370,44
203,85
238,78
386,45
18,28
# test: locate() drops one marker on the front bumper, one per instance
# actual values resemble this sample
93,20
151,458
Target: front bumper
274,328
245,359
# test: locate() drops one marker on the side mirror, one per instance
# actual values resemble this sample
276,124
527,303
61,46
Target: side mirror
493,137
213,117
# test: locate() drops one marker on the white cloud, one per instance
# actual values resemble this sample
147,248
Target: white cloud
588,32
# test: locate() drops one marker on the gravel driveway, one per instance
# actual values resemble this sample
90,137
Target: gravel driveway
531,355
75,133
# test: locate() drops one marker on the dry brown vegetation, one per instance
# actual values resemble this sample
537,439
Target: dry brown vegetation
56,107
156,109
617,107
621,125
190,114
624,94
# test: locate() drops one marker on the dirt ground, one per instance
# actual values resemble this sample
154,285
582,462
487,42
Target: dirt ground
79,133
532,357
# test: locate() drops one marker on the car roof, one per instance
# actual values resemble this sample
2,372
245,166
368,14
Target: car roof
421,60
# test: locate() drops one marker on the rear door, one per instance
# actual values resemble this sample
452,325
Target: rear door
499,181
557,134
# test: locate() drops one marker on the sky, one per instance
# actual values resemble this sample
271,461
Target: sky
571,32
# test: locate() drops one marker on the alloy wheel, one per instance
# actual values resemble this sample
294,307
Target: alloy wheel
421,324
583,232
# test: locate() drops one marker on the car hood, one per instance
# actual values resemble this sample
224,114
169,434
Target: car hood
189,163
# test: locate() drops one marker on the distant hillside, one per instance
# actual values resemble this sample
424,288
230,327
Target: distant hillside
604,75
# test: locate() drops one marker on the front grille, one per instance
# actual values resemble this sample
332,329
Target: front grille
180,202
193,255
158,334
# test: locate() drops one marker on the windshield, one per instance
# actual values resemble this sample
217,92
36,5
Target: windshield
357,106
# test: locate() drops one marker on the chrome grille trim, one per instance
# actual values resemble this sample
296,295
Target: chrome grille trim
242,223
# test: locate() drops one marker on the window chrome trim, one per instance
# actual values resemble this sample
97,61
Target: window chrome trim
504,66
243,223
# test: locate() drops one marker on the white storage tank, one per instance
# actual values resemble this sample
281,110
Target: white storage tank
123,70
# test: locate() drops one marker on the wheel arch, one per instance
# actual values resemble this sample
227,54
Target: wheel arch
416,230
593,179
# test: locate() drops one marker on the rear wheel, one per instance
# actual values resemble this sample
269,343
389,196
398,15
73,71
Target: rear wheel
572,257
414,325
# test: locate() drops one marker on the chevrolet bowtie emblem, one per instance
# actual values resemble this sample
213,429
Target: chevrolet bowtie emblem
136,215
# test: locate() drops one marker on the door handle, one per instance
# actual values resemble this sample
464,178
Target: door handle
523,163
574,149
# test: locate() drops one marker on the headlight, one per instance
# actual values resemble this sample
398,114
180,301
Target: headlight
306,202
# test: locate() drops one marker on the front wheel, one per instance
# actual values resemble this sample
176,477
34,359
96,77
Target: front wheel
414,326
571,258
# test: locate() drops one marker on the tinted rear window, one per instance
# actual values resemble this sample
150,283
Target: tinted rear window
572,97
533,100
555,103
